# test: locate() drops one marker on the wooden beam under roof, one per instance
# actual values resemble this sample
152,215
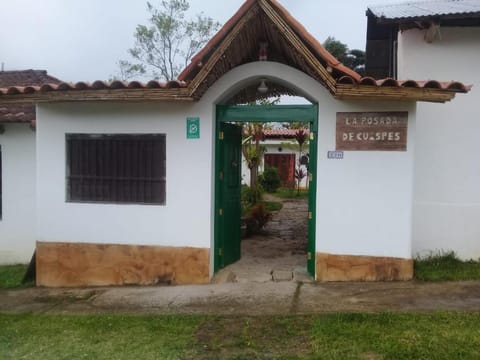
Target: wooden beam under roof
365,92
124,95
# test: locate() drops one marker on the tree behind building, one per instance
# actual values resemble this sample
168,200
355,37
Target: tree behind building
164,47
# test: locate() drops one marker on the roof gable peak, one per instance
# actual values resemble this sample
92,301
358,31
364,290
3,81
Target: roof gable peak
263,30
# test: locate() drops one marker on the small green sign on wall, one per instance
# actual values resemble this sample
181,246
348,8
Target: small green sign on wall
193,128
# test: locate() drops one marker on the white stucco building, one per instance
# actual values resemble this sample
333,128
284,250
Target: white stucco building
18,170
140,183
282,152
17,225
439,40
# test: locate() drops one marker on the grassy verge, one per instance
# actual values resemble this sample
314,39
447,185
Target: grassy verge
96,337
444,335
268,206
11,276
289,193
446,267
272,205
397,336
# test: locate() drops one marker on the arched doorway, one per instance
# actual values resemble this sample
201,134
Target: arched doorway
228,172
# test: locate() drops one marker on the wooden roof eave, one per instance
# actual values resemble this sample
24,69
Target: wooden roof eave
126,95
341,91
368,92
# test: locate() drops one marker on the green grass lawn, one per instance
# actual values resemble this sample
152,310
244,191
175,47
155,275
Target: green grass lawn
446,267
289,193
11,276
442,335
272,205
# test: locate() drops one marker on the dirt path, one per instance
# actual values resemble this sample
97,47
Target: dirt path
279,253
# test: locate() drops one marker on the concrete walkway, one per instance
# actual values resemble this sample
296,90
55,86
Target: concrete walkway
249,298
279,252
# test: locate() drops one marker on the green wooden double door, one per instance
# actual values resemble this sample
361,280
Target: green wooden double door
228,174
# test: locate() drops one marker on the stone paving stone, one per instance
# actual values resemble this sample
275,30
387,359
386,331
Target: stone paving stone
300,274
281,246
224,276
258,278
282,275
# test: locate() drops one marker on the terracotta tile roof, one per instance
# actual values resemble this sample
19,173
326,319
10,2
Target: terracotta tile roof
21,113
25,78
281,133
235,44
100,90
453,86
17,113
97,85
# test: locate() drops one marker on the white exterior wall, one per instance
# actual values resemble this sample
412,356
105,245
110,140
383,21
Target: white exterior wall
364,202
447,171
183,221
17,226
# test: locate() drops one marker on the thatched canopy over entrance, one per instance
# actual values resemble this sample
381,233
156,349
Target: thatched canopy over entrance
263,31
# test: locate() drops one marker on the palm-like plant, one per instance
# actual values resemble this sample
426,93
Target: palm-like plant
301,136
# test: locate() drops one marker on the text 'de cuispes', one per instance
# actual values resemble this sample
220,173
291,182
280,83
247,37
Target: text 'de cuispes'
372,131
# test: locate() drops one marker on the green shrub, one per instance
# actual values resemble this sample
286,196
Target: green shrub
251,196
270,180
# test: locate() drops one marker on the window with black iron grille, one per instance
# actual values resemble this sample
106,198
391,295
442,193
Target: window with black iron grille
116,168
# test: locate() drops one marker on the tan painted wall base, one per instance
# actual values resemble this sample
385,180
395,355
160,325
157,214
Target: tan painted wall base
362,268
75,265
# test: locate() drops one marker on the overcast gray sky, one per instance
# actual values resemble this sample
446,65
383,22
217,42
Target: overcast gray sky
82,40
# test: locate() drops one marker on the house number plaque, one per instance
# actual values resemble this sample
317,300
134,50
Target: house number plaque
380,131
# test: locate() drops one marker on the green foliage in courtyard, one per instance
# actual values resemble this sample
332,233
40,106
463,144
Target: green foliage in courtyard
270,180
250,196
291,193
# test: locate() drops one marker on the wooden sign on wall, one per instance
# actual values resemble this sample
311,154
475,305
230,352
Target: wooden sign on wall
380,131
